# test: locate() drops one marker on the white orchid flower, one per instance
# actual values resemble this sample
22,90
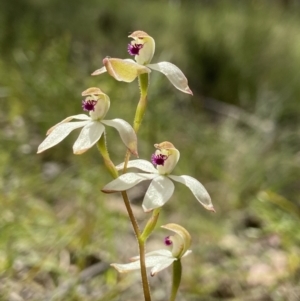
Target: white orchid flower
161,259
161,188
143,47
97,104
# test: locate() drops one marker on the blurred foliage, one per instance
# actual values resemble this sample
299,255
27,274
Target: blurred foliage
239,135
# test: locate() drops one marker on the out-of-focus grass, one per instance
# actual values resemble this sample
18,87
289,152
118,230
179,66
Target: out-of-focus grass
239,135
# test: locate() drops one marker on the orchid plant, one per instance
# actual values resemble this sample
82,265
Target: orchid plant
158,171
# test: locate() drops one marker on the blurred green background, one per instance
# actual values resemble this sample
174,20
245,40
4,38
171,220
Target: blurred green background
238,134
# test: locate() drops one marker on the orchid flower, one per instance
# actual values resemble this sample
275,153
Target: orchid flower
142,48
161,259
97,104
161,188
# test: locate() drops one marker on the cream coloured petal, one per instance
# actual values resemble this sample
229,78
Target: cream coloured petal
126,267
154,260
186,253
126,132
197,189
140,164
160,266
174,74
58,133
99,71
88,136
127,181
158,193
124,70
79,117
158,262
161,252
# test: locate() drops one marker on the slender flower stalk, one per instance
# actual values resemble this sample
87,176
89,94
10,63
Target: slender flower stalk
141,243
140,110
101,144
142,105
141,239
142,260
139,115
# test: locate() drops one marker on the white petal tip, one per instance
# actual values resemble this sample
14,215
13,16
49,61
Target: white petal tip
117,268
79,152
99,71
189,91
134,152
211,208
132,146
146,209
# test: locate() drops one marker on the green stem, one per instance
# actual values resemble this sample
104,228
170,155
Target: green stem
113,171
176,278
142,250
138,118
101,144
141,107
146,289
126,160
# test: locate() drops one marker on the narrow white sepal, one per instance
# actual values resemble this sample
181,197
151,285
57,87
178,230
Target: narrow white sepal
140,164
99,71
127,181
161,252
186,253
126,267
58,133
126,132
79,117
158,193
88,136
164,264
156,262
197,189
174,74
